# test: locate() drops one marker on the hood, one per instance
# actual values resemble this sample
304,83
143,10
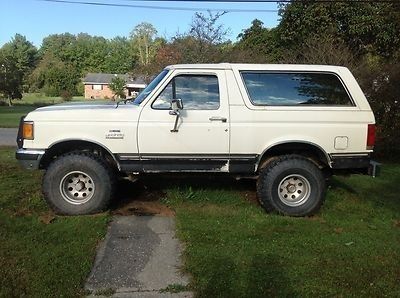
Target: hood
86,111
92,105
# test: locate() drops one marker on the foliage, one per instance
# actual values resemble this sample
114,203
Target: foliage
381,85
54,76
120,56
17,60
143,39
202,43
11,79
117,86
262,42
365,26
66,58
66,95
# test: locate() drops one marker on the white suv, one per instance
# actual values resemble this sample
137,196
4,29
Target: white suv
289,126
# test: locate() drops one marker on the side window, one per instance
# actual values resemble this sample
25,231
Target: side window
293,89
198,92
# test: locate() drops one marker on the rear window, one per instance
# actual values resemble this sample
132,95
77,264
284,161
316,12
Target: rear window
294,89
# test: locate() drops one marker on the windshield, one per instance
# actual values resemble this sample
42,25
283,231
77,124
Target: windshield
150,87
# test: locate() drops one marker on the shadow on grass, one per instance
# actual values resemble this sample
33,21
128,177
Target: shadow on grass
263,277
151,188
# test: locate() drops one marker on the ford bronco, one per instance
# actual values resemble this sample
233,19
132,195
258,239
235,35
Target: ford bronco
289,126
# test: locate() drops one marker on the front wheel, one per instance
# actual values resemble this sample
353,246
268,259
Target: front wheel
291,185
78,183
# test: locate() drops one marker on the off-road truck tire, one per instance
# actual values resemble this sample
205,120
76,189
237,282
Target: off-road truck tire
291,185
78,183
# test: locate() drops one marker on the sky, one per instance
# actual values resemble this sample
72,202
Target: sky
37,19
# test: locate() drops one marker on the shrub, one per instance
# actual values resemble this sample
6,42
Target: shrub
66,95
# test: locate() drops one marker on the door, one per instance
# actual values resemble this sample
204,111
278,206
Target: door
201,139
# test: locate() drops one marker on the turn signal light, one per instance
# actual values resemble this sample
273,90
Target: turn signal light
27,130
371,136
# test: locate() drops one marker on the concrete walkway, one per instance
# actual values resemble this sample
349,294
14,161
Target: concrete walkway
139,257
8,137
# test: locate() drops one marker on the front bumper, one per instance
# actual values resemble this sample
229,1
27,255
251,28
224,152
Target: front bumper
29,159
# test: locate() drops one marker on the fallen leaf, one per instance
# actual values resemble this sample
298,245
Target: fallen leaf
338,230
47,218
396,223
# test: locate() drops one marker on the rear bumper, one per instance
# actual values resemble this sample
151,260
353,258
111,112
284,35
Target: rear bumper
361,164
29,159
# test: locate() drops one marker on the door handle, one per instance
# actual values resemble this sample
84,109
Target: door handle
217,118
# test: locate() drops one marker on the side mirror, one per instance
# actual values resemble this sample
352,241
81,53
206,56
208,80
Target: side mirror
177,104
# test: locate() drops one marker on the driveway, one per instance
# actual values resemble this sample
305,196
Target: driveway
8,136
140,257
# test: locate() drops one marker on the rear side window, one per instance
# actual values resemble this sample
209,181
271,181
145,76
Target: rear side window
294,89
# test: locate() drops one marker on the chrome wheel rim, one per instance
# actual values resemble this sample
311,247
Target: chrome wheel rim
294,190
77,187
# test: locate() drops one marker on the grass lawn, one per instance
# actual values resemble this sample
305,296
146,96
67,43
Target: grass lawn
10,116
41,255
233,249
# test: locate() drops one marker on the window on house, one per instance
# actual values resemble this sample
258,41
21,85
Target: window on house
97,87
198,92
295,89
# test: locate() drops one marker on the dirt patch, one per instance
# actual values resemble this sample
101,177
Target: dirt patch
140,198
250,196
143,208
47,218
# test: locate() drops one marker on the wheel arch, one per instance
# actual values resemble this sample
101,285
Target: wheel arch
67,145
307,149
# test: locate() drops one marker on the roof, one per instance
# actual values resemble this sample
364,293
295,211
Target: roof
272,67
106,78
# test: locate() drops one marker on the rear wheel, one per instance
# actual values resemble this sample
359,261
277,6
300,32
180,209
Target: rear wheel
78,183
291,185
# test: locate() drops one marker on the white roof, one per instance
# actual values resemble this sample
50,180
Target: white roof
237,66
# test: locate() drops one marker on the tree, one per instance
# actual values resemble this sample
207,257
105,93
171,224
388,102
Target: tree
261,42
203,40
364,26
22,52
17,60
143,39
117,86
202,43
10,79
54,76
120,56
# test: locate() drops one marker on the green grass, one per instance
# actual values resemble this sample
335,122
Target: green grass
234,249
41,255
37,99
10,116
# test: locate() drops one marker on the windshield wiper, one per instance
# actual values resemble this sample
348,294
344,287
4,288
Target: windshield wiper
124,101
